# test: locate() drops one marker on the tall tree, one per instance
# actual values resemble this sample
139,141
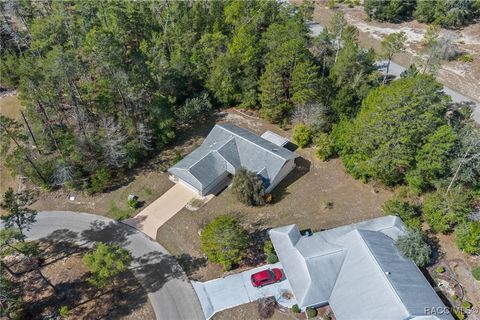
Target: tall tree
392,44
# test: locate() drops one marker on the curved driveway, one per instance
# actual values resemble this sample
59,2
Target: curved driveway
170,293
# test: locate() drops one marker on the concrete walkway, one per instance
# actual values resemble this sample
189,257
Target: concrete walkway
169,291
234,290
158,212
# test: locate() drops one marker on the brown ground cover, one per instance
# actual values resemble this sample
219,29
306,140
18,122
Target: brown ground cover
64,268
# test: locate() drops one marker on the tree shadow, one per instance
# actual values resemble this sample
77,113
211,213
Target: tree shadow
255,254
154,269
302,168
190,264
111,232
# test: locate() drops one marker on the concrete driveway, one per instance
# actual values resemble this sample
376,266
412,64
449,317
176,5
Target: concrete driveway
234,290
169,291
158,212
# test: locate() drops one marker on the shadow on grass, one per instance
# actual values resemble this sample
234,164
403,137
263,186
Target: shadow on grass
190,264
302,168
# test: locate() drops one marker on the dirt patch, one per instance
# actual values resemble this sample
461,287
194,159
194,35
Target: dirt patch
64,268
250,311
301,198
460,76
9,107
460,265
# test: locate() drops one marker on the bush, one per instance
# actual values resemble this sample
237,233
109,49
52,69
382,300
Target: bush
467,237
195,109
444,211
63,311
311,313
465,58
178,157
414,245
324,146
476,273
100,181
266,307
466,304
224,241
272,258
458,314
409,213
440,269
455,297
133,201
302,135
248,188
296,308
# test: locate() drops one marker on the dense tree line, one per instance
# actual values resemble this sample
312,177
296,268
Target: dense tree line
106,84
447,13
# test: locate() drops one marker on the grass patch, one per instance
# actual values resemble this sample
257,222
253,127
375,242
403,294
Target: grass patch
118,213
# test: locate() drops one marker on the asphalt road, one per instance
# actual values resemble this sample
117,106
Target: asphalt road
396,69
169,291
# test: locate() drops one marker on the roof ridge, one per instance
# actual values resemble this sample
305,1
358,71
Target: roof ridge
239,136
208,153
384,275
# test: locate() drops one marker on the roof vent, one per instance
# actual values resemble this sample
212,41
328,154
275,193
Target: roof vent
387,273
274,149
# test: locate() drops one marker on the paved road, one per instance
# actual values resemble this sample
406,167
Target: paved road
170,293
396,69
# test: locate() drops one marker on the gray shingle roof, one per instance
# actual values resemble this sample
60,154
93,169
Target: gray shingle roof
357,269
226,148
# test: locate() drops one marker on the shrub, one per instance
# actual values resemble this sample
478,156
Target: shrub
476,273
195,109
455,297
248,187
414,245
302,135
268,247
409,213
224,241
105,262
178,157
266,307
272,258
63,311
328,205
132,201
465,58
440,269
324,146
296,308
311,313
443,211
466,304
100,181
467,237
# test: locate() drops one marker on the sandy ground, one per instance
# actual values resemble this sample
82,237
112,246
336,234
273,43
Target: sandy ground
461,76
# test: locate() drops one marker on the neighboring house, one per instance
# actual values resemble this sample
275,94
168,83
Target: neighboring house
358,271
210,167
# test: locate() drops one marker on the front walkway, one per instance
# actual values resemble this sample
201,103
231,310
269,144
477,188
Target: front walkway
224,293
158,212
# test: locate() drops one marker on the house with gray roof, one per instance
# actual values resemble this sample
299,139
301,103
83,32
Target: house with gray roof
358,270
227,147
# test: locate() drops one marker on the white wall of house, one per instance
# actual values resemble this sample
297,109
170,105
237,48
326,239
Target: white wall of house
185,184
287,167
